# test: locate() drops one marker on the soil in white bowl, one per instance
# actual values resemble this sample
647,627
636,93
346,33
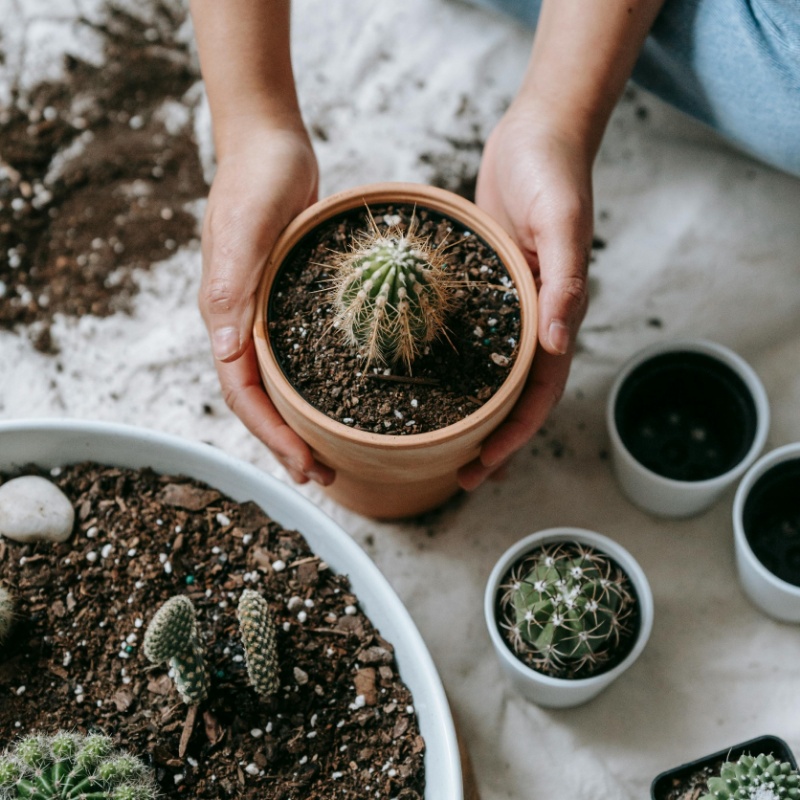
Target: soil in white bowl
342,724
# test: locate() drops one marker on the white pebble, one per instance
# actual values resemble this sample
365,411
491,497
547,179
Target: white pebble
251,769
279,566
91,556
350,610
168,568
106,551
256,733
138,622
32,509
302,616
223,519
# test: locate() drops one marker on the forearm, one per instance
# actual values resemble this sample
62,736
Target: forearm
246,63
583,54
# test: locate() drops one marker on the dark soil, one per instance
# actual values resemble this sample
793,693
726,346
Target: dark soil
456,375
694,785
92,182
342,724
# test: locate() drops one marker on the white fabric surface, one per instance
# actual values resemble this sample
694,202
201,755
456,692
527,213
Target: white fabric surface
698,236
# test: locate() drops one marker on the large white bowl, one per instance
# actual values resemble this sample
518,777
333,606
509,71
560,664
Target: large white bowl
51,443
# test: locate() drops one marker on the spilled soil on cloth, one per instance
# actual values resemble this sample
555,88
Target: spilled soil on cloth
95,173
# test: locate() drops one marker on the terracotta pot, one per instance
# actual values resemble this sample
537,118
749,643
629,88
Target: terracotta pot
382,475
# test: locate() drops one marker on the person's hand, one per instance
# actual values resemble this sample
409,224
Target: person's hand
265,177
536,181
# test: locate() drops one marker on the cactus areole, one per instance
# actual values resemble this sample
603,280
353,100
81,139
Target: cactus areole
568,610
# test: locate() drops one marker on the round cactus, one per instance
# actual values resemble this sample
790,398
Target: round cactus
759,777
391,295
6,614
566,609
260,644
69,766
172,637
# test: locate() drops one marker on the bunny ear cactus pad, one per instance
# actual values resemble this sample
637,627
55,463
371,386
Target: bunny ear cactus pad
260,642
391,295
568,609
172,637
69,766
755,778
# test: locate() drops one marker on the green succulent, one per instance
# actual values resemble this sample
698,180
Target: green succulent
69,766
391,295
566,608
172,637
6,613
760,777
260,642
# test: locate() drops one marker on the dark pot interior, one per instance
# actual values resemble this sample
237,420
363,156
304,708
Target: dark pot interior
686,416
665,783
771,520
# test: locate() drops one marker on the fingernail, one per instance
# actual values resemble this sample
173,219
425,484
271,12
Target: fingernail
225,342
558,334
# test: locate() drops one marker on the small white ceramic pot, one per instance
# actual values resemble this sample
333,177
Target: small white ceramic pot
686,419
545,690
766,530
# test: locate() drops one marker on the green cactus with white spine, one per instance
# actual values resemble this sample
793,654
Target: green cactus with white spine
172,637
260,642
391,294
69,766
566,608
7,608
760,777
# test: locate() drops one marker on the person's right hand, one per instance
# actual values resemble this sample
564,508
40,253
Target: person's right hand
266,176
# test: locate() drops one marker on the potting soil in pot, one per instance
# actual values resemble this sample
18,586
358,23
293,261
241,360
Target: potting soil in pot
453,377
342,724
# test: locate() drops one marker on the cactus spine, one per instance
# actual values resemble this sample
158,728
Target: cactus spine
566,608
759,777
6,614
260,645
69,766
391,294
172,637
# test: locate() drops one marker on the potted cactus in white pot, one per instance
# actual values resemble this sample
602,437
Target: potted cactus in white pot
395,328
763,768
568,611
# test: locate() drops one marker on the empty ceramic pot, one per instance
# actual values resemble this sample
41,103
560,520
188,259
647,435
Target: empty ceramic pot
686,419
766,525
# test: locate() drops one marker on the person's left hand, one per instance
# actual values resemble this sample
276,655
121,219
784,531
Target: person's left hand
535,179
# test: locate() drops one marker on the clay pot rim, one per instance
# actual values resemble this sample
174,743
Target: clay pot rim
446,203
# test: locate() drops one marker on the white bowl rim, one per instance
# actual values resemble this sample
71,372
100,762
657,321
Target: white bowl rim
728,357
439,712
583,536
787,452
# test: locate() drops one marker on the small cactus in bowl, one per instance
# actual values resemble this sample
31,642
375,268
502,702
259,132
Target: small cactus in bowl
391,294
172,637
6,613
260,646
760,777
69,766
568,610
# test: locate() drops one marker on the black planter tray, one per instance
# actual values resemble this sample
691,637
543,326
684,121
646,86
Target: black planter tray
769,745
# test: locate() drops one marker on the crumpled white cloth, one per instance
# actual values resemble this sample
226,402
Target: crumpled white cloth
700,241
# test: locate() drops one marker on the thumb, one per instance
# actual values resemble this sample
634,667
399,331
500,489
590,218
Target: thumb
563,249
235,249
